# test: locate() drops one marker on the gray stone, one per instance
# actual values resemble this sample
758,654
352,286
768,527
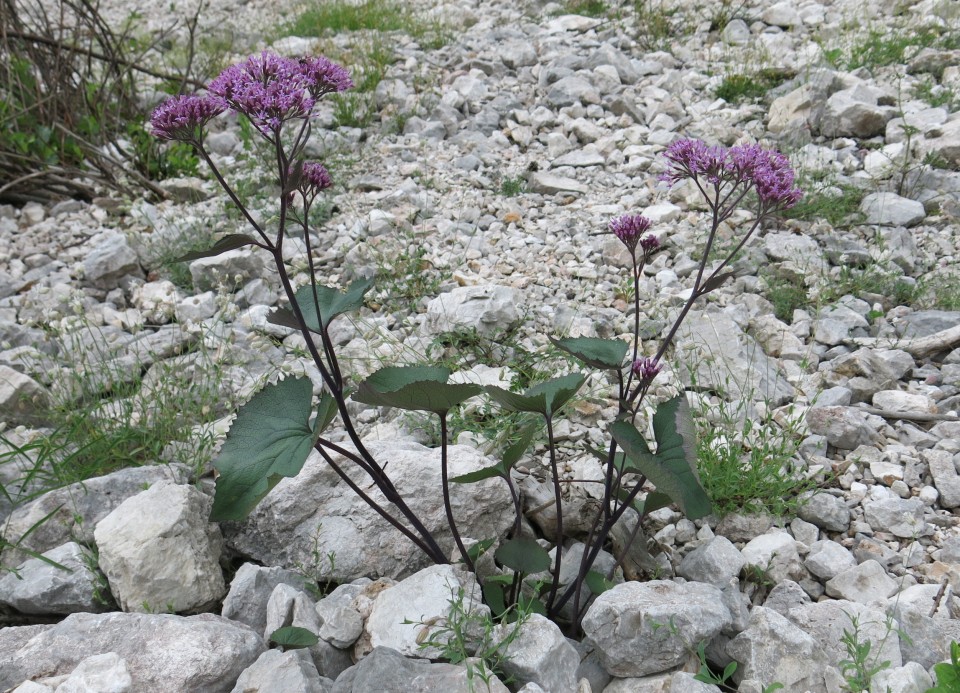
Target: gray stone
776,554
854,112
828,558
75,510
38,587
196,654
250,591
516,54
901,517
825,510
330,519
552,184
606,54
633,617
945,145
22,399
927,639
103,673
738,527
729,360
231,269
836,324
387,671
403,615
785,596
899,401
539,653
827,621
570,90
487,309
891,209
713,563
945,477
276,671
159,552
910,678
341,623
110,260
782,14
867,583
924,323
774,649
844,427
736,33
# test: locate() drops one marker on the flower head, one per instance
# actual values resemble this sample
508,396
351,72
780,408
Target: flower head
629,228
182,117
646,368
324,76
314,178
767,172
267,88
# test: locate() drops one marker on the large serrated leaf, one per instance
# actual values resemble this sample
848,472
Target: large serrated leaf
229,242
546,398
523,555
417,388
596,353
673,468
270,439
330,301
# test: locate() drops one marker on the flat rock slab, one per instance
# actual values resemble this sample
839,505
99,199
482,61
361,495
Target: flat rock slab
164,653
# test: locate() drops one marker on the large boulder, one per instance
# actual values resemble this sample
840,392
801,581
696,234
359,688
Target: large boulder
316,514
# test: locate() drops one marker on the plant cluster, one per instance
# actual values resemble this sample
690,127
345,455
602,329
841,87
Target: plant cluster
279,427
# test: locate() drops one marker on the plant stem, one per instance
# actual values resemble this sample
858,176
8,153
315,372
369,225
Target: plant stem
446,494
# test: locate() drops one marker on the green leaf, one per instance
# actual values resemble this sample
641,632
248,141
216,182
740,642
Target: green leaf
417,388
294,637
493,595
716,282
597,583
330,301
546,398
523,555
480,548
326,412
673,468
596,353
530,605
229,242
270,439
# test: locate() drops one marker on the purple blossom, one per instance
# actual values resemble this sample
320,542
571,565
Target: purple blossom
646,368
649,244
324,76
267,88
315,178
629,228
767,172
182,117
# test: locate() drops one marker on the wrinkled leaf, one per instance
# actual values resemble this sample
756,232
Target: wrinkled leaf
493,595
229,242
294,637
417,388
270,439
673,468
530,605
546,398
596,353
331,302
523,555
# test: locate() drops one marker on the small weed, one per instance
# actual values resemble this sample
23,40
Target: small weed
512,186
405,274
327,18
473,638
586,8
936,94
785,295
878,48
837,204
876,279
861,664
748,87
747,464
948,675
654,27
726,11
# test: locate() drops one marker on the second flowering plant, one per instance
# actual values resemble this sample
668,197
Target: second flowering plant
277,429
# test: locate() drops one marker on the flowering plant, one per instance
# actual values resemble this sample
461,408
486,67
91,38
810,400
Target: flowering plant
276,430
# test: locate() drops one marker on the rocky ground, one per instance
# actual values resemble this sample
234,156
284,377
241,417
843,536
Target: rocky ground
480,191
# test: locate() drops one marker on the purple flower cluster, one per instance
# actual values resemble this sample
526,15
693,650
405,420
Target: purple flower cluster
314,179
646,368
267,88
768,172
629,228
182,117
